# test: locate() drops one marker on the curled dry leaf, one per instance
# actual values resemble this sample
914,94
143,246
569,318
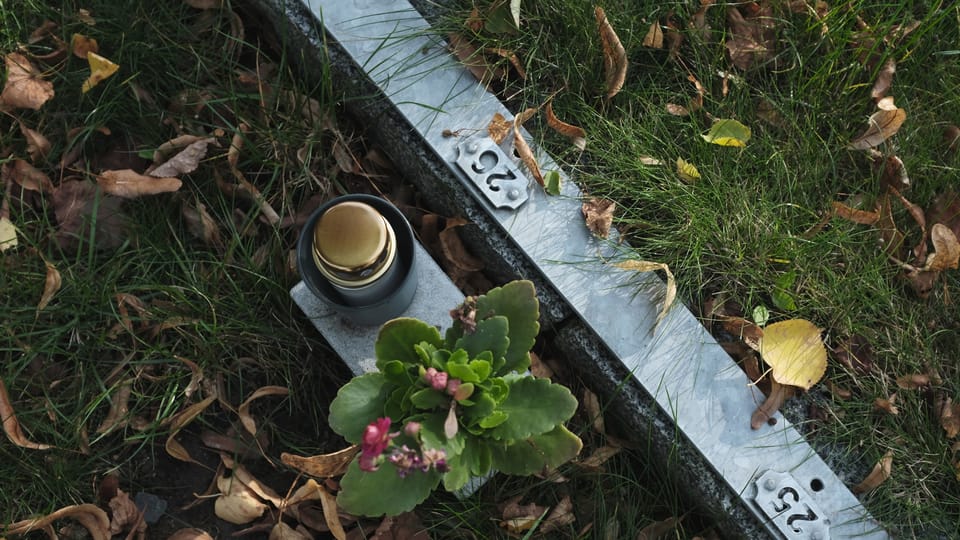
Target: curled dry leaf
654,37
591,405
81,45
883,125
560,516
576,134
884,79
30,177
599,456
331,514
282,531
881,471
949,414
90,516
526,155
650,266
856,353
125,515
50,286
795,353
37,145
519,518
473,60
237,503
499,128
11,426
323,465
119,408
687,171
748,331
200,223
130,184
778,394
752,34
185,161
246,189
178,422
913,381
598,214
453,249
863,217
244,410
190,534
614,55
887,405
24,89
946,249
659,529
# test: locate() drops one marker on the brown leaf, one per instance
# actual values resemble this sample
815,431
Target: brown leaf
951,138
949,414
591,405
282,531
185,161
178,422
748,331
124,514
25,89
11,426
599,456
881,471
245,188
946,209
473,60
598,214
576,134
887,405
883,125
654,37
30,177
854,215
406,526
614,55
453,249
119,408
200,223
698,21
778,394
894,174
81,45
499,128
856,354
518,518
913,381
37,145
838,390
90,516
890,237
526,154
752,34
677,110
659,529
130,184
330,514
50,287
323,465
237,503
190,534
204,4
884,79
946,249
561,516
539,368
244,410
511,57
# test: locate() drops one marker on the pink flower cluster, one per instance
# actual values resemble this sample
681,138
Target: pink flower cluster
441,381
377,438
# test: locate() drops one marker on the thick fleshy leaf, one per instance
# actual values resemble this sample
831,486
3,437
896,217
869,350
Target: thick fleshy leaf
383,492
397,337
490,335
358,403
533,406
795,353
517,301
532,455
727,132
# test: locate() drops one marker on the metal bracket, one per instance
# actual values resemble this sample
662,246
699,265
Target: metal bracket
494,174
790,508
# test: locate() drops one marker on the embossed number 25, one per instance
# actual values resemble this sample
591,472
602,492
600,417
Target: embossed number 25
809,516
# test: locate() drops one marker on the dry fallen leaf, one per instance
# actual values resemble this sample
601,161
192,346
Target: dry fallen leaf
237,503
453,249
599,456
499,128
90,516
125,515
282,531
331,514
30,177
37,145
561,516
526,155
591,405
650,266
119,408
614,55
11,426
100,69
748,331
474,61
200,223
130,184
883,125
181,419
244,410
795,353
854,215
50,287
598,214
190,534
778,394
81,45
913,381
8,234
658,529
884,79
185,161
576,134
654,37
946,249
752,36
518,518
856,353
887,405
950,417
24,88
881,471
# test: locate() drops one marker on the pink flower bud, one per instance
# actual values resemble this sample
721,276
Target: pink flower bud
439,381
412,428
452,386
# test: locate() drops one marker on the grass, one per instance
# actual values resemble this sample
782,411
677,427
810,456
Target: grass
223,305
739,232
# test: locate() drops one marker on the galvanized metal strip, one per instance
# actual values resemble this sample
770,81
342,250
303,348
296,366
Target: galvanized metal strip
679,363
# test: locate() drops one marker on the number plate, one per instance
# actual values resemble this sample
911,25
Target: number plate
500,181
790,508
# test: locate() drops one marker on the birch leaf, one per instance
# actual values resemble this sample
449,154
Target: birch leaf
727,132
24,88
576,134
795,353
650,266
614,55
100,69
881,471
654,37
687,171
323,465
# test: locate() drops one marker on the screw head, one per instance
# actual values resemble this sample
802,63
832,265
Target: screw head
513,194
815,535
472,148
769,484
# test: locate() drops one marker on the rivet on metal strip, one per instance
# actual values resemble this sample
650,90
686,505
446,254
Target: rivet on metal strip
789,507
494,174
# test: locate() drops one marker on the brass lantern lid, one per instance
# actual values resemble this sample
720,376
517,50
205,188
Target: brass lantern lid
352,242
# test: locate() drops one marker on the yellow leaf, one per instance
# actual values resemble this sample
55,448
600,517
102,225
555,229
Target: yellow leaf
8,234
650,266
687,171
727,132
100,69
795,353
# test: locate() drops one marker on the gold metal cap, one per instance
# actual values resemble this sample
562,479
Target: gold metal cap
352,243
